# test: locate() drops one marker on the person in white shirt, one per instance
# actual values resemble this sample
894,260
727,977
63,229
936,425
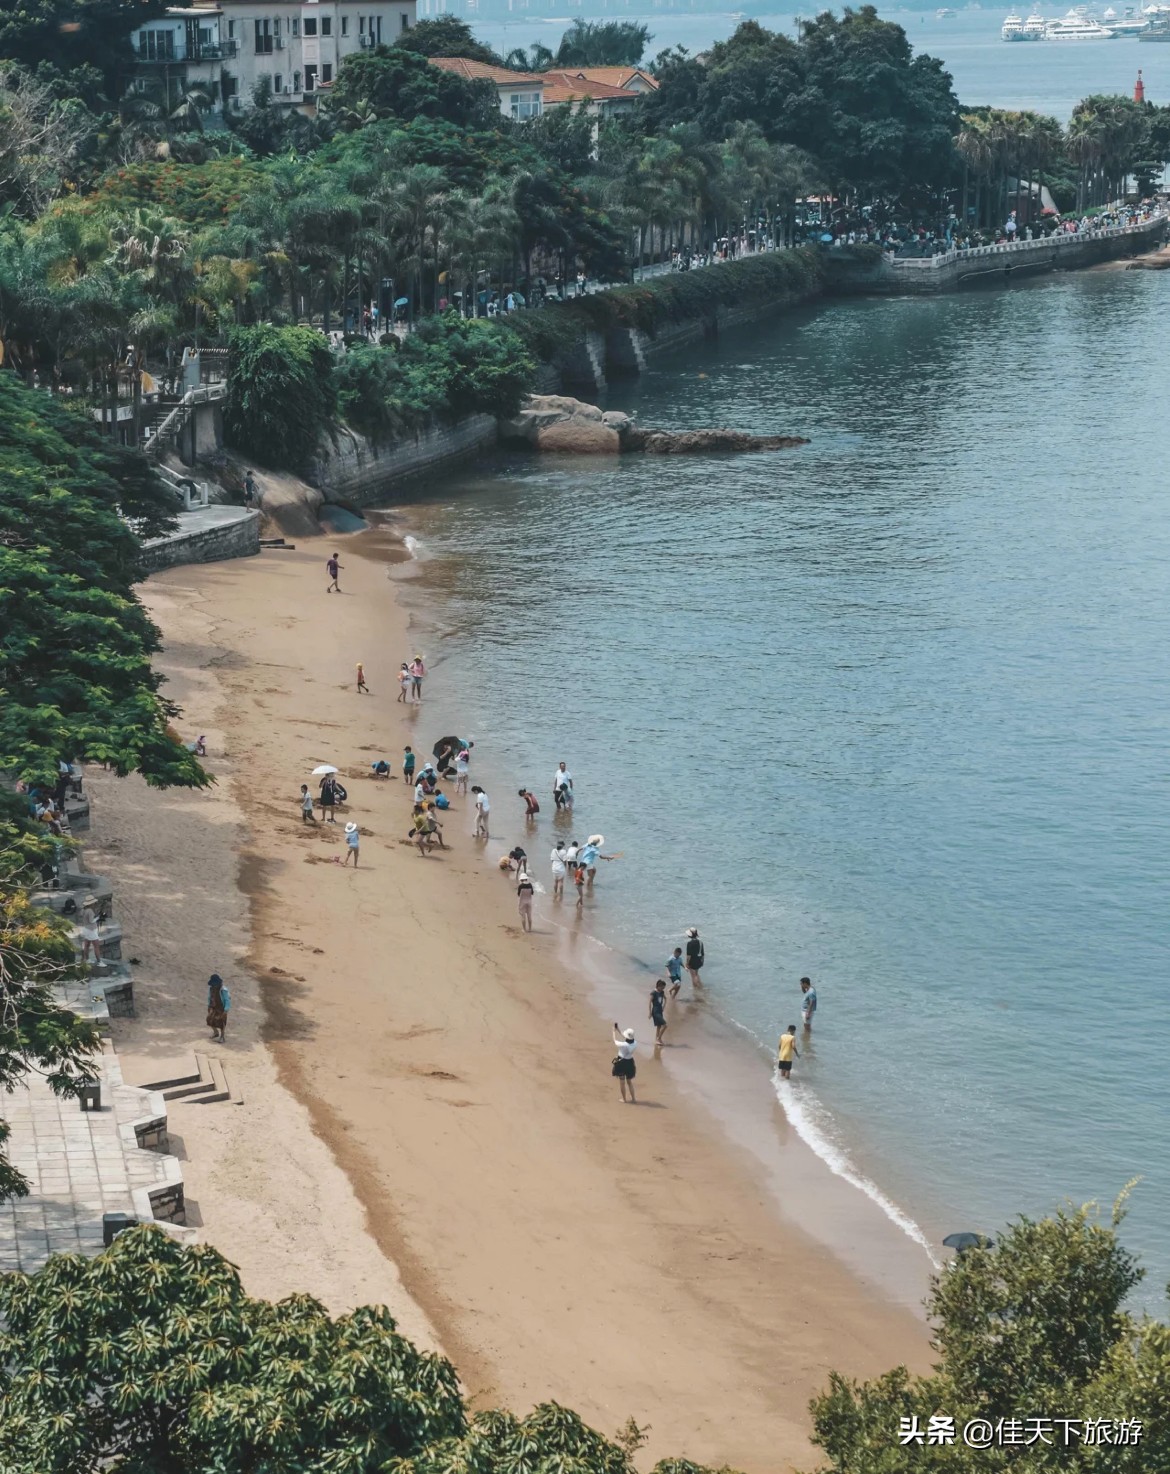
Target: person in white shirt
624,1069
483,807
559,866
563,787
462,763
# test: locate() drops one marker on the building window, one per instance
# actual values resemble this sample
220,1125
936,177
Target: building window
405,19
296,86
361,25
296,25
310,78
278,83
345,25
231,30
379,23
157,45
263,36
310,25
326,73
327,25
525,104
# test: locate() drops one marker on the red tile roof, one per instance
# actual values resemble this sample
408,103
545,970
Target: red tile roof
474,71
576,86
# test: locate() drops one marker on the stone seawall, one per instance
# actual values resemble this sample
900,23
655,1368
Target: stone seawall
208,535
357,473
988,265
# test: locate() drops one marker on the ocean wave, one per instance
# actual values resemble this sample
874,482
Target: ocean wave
412,544
811,1122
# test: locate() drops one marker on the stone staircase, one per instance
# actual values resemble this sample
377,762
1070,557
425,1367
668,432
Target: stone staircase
208,1085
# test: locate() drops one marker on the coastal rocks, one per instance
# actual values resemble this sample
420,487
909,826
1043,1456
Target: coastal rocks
557,423
703,442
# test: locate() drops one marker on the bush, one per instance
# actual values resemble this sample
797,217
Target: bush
449,368
281,393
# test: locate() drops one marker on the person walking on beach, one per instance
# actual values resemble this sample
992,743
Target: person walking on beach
624,1069
361,680
657,1010
333,568
352,841
307,815
559,866
579,882
483,807
407,765
810,1002
786,1050
525,894
417,671
674,966
329,798
219,1001
404,682
696,956
563,787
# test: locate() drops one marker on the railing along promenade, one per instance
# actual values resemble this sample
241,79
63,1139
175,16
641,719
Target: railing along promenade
1057,239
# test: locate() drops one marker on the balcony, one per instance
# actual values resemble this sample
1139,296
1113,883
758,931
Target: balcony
182,53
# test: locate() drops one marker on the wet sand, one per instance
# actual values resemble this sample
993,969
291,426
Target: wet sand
627,1261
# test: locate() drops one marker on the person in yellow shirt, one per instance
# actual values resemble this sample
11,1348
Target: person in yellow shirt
786,1051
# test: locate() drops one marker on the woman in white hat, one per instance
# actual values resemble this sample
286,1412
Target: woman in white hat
352,841
624,1068
525,892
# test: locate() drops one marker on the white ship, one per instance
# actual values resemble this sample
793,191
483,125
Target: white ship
1034,27
1077,27
1012,28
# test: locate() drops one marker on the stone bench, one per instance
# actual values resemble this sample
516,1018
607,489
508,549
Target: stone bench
77,814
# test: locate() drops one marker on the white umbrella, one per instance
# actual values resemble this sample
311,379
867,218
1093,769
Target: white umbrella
323,769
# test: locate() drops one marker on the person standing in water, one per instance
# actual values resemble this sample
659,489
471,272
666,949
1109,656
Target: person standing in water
657,1010
624,1069
417,671
786,1050
361,680
674,966
333,568
462,767
483,807
525,893
696,956
559,866
403,681
562,787
810,1003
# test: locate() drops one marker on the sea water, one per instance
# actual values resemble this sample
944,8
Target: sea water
891,710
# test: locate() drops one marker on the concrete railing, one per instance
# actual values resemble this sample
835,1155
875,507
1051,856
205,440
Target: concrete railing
1017,248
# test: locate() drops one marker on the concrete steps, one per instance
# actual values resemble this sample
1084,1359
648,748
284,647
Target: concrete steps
208,1085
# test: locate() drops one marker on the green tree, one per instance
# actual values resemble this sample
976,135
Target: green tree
446,35
1032,1326
36,951
609,43
393,81
151,1359
75,643
280,393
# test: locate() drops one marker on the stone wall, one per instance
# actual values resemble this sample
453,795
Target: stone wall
237,537
357,473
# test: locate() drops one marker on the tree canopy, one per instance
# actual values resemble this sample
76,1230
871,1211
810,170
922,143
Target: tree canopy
152,1358
446,35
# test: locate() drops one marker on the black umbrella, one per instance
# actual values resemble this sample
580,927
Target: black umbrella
960,1242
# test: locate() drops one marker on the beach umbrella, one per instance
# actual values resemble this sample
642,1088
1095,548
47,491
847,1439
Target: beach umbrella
961,1242
323,769
402,302
444,744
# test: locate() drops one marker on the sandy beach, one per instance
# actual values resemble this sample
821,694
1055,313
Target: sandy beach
427,1114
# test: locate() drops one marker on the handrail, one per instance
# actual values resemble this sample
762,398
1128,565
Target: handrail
1057,238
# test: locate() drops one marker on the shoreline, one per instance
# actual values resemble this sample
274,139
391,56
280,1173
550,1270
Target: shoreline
458,1082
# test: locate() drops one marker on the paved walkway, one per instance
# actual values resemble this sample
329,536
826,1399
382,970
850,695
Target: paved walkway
79,1165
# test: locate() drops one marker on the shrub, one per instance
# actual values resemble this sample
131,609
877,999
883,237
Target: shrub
281,393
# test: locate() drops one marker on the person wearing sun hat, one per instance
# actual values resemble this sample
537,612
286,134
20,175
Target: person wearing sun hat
696,956
352,841
624,1069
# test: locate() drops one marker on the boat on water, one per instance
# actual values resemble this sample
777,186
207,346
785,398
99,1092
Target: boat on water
1157,30
1015,29
1076,26
945,14
1132,23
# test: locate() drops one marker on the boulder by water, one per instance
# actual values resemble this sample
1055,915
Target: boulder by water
560,424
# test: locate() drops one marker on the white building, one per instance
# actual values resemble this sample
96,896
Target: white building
226,49
521,94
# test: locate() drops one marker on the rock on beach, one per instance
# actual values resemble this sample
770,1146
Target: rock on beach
559,424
